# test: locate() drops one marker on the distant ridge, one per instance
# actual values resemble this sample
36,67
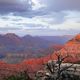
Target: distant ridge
14,48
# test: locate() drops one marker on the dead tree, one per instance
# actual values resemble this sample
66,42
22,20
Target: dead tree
61,69
55,67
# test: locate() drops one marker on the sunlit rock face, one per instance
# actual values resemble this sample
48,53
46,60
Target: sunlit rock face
72,49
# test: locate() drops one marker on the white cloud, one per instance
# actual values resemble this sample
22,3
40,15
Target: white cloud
37,5
53,21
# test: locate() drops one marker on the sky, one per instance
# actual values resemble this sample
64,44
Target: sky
40,17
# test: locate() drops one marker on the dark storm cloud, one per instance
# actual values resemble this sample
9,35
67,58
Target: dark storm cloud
24,7
7,6
52,6
20,8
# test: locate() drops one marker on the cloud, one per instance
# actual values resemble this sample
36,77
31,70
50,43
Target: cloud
61,5
26,8
37,5
64,22
9,6
34,16
32,8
